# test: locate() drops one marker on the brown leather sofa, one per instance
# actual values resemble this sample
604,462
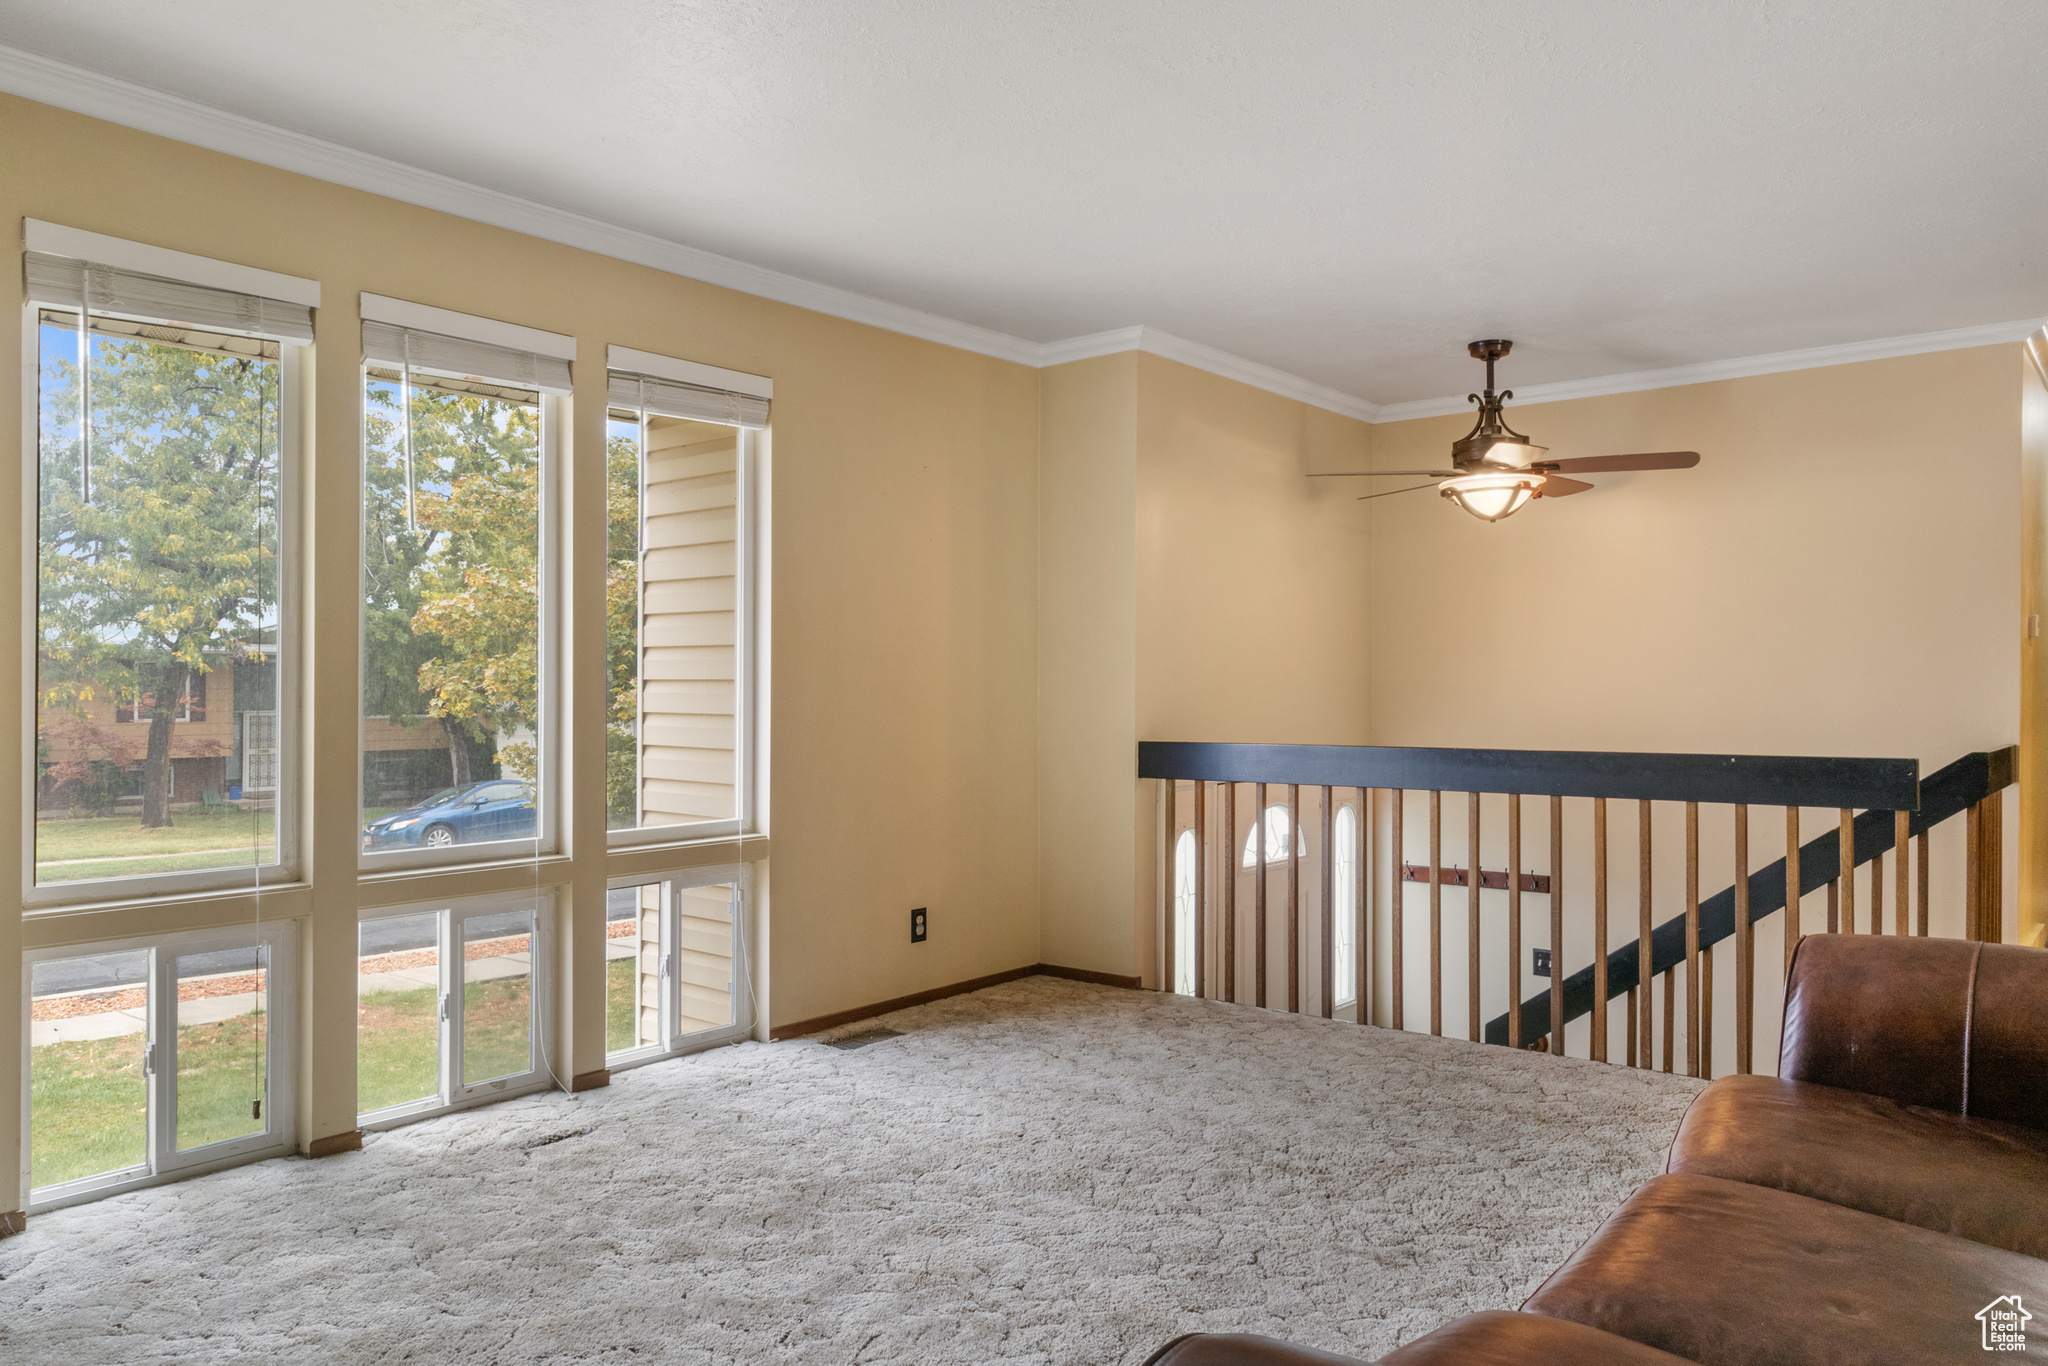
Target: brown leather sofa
1864,1205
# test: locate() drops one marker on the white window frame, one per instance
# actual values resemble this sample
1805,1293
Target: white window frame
674,1043
548,786
748,703
1344,921
1187,851
163,1161
454,1094
291,556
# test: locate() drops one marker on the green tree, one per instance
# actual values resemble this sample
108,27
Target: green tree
622,631
452,601
158,558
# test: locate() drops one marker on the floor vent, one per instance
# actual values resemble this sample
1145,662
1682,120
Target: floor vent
864,1038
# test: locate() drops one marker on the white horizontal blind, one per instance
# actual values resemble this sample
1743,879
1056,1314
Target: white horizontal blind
64,282
667,398
430,351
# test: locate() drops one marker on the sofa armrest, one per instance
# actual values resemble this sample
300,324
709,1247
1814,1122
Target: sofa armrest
1944,1023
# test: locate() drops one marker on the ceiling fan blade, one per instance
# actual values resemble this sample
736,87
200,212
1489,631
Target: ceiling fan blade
1555,487
1653,460
1391,492
1374,474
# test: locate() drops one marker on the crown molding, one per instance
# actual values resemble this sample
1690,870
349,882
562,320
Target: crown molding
1741,367
97,95
92,93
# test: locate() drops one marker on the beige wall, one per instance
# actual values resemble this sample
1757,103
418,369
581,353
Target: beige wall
1087,662
904,482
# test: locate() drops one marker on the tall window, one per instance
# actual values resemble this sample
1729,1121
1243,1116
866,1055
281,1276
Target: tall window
1279,832
161,446
1344,849
456,585
1184,856
679,453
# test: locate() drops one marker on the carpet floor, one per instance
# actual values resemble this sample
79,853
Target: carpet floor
1040,1172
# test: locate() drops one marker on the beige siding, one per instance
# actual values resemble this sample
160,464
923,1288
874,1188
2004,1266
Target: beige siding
704,958
689,632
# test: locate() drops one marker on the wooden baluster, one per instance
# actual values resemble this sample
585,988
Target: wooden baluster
1670,1011
1920,870
1362,943
1634,1057
1201,890
1327,911
1599,928
1172,885
1296,838
1436,913
1877,894
1472,877
1745,951
1398,1015
1644,961
1792,887
1557,926
1258,900
1902,835
1973,875
1707,1012
1848,875
1692,939
1514,920
1984,870
1230,865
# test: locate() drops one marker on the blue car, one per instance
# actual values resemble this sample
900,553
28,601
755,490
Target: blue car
496,809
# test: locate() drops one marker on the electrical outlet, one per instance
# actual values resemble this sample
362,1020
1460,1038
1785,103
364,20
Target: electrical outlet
1542,965
917,926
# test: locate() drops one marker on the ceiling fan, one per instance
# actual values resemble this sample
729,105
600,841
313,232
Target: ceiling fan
1497,469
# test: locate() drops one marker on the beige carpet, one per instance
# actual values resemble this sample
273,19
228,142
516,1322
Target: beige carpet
1040,1172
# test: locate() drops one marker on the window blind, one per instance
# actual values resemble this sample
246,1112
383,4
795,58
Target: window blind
698,403
430,351
66,282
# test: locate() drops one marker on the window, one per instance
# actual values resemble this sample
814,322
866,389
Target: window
1184,855
1344,849
1278,828
164,419
450,1005
679,460
457,582
155,1058
675,964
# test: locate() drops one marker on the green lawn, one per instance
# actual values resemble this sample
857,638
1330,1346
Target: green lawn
89,1099
619,1034
62,844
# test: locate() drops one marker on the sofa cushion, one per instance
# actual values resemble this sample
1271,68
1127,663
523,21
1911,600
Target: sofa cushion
1977,1179
1503,1339
1242,1349
1491,1339
1730,1274
1943,1023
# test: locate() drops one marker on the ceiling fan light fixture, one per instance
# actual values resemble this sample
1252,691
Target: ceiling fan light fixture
1491,496
1516,452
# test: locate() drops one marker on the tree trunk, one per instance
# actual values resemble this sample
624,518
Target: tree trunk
156,761
470,760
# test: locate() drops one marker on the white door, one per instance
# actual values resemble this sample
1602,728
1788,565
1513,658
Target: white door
259,751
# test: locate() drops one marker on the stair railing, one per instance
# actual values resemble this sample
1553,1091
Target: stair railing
1286,907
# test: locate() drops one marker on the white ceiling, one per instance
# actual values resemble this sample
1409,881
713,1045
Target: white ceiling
1345,191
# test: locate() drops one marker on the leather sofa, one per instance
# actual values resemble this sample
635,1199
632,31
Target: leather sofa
1863,1205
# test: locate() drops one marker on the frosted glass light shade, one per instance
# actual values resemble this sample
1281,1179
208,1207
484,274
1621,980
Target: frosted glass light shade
1490,497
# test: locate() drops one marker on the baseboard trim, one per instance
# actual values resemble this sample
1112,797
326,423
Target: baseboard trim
798,1028
590,1081
1106,979
335,1143
13,1223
